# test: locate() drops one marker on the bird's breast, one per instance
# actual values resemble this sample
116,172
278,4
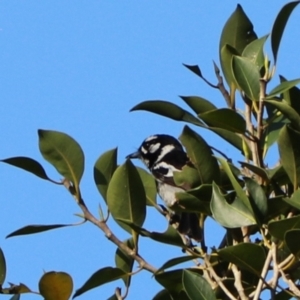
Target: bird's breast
167,193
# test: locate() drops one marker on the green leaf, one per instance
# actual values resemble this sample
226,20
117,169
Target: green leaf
256,170
31,229
294,200
124,261
175,261
282,87
292,96
149,186
258,199
278,228
200,155
126,198
287,111
247,76
15,297
237,33
170,237
169,110
100,277
64,153
288,144
56,286
162,295
104,168
238,189
279,25
195,69
231,215
224,118
247,256
28,164
171,280
292,240
254,51
198,104
196,287
2,267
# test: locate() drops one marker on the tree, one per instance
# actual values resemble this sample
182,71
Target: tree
258,205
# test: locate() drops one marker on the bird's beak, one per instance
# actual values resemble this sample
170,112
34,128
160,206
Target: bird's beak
134,155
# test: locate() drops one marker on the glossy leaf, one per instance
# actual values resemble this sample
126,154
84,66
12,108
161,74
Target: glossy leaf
255,169
175,261
282,87
237,33
287,111
247,76
169,110
162,295
124,261
2,267
56,286
279,26
31,229
294,200
200,155
126,198
195,69
259,201
247,256
225,118
188,177
292,96
149,186
171,280
198,104
104,168
196,287
288,144
238,189
231,215
254,51
28,164
278,228
292,240
100,277
64,153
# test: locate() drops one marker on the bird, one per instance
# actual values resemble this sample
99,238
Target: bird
163,155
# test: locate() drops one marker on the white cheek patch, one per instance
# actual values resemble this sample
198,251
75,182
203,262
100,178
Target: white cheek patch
143,150
164,151
150,138
154,148
170,168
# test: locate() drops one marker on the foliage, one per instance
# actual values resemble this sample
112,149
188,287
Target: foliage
246,199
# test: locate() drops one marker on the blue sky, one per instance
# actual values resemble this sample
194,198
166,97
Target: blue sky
78,67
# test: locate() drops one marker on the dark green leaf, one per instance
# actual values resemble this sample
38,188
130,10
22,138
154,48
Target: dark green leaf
200,155
64,153
247,256
258,198
30,229
278,228
28,164
277,207
175,261
15,297
196,287
231,215
292,240
2,267
104,168
169,110
224,118
292,96
195,69
171,280
289,150
149,186
56,286
254,51
256,170
238,189
100,277
124,261
287,111
282,87
237,33
294,200
163,295
279,25
197,104
126,198
170,237
247,76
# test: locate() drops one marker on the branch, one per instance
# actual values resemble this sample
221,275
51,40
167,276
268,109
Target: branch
238,282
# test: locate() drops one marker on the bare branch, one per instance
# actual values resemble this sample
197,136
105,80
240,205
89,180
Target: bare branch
238,282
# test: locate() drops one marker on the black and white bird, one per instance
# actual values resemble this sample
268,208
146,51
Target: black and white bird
163,155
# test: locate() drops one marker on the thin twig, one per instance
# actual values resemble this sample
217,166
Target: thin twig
290,283
238,282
